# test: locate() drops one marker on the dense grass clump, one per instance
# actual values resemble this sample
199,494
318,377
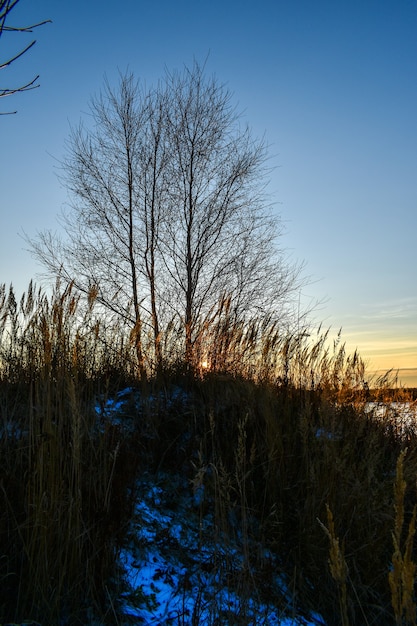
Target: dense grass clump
64,481
276,427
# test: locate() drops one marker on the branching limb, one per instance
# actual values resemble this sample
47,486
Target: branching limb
6,7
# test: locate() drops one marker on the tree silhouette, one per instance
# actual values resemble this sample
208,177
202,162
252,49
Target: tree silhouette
168,223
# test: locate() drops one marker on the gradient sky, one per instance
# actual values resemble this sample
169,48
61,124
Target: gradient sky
331,85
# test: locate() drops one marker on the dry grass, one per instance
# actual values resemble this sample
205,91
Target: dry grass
275,429
63,482
402,575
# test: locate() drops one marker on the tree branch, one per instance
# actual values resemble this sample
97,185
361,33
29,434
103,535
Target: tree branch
6,7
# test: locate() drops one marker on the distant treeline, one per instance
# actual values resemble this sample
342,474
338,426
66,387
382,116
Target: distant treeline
405,394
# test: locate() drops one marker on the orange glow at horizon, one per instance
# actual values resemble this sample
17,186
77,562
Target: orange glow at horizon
396,354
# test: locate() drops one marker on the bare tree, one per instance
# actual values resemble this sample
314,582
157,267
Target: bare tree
115,173
168,218
220,241
6,6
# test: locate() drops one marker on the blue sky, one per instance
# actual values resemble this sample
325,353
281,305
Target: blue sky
331,85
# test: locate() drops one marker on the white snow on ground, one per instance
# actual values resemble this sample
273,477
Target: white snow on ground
178,572
400,415
180,569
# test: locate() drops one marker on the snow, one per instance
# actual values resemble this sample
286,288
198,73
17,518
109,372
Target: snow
400,415
177,572
178,567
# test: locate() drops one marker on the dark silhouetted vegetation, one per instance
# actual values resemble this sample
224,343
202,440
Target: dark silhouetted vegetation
277,429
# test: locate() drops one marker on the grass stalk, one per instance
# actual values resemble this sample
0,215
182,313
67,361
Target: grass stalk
402,575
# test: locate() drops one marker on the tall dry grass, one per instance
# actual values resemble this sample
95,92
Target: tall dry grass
288,437
275,428
64,482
